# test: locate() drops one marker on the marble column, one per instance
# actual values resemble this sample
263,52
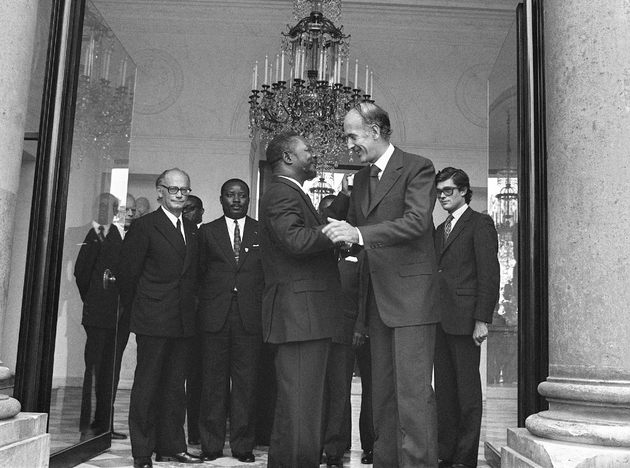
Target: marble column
587,67
17,36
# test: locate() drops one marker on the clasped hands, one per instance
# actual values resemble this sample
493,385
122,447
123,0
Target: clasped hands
341,233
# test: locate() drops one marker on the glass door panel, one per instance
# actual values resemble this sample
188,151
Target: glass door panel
89,329
502,361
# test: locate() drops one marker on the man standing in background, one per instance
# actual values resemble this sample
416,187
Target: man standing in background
466,245
230,308
142,207
157,278
390,216
193,211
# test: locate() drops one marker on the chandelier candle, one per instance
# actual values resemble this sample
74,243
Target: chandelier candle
314,101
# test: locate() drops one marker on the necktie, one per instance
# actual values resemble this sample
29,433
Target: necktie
179,229
447,227
374,170
237,240
101,233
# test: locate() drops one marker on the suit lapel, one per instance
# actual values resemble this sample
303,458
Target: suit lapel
248,238
304,196
388,179
459,226
190,241
362,185
166,228
222,236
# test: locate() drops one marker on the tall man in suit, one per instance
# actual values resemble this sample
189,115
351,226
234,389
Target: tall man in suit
157,277
466,245
390,216
99,251
230,308
300,301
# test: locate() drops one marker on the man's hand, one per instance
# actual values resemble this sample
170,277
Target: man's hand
480,332
358,339
340,231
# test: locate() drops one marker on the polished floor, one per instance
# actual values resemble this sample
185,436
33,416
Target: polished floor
499,413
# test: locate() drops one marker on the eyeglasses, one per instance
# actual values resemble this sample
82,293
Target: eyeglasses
189,208
173,190
447,191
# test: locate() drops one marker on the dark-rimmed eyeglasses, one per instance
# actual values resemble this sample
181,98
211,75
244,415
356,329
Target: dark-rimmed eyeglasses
447,191
189,208
173,190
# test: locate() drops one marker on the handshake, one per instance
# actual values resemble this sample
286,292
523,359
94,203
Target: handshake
341,233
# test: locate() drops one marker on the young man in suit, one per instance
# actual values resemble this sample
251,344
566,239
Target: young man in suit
300,301
230,308
466,246
390,217
157,279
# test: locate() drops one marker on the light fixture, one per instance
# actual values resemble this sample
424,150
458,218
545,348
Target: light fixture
104,108
311,84
507,196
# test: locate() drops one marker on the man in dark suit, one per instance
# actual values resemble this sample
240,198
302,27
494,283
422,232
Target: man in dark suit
157,277
300,301
230,308
193,211
390,216
466,246
99,251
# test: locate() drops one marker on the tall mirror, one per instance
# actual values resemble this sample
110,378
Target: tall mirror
91,330
502,363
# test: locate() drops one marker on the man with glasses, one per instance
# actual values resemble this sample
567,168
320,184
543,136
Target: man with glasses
391,218
157,277
466,246
193,211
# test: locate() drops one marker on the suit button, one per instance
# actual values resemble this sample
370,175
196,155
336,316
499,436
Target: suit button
439,271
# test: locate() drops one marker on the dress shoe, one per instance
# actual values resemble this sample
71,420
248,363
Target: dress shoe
209,456
183,457
334,460
444,464
193,441
246,457
142,462
367,458
118,435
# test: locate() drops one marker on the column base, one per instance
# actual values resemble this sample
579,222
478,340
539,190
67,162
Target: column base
525,450
24,441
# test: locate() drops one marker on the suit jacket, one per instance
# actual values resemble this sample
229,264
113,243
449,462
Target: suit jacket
220,275
469,272
100,306
300,301
397,230
157,276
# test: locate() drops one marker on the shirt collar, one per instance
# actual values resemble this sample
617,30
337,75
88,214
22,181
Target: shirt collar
459,212
172,217
381,162
106,227
295,182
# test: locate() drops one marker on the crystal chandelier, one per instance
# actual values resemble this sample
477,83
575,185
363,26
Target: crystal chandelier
507,196
310,88
104,109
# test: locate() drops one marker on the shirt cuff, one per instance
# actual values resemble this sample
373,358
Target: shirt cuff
360,237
